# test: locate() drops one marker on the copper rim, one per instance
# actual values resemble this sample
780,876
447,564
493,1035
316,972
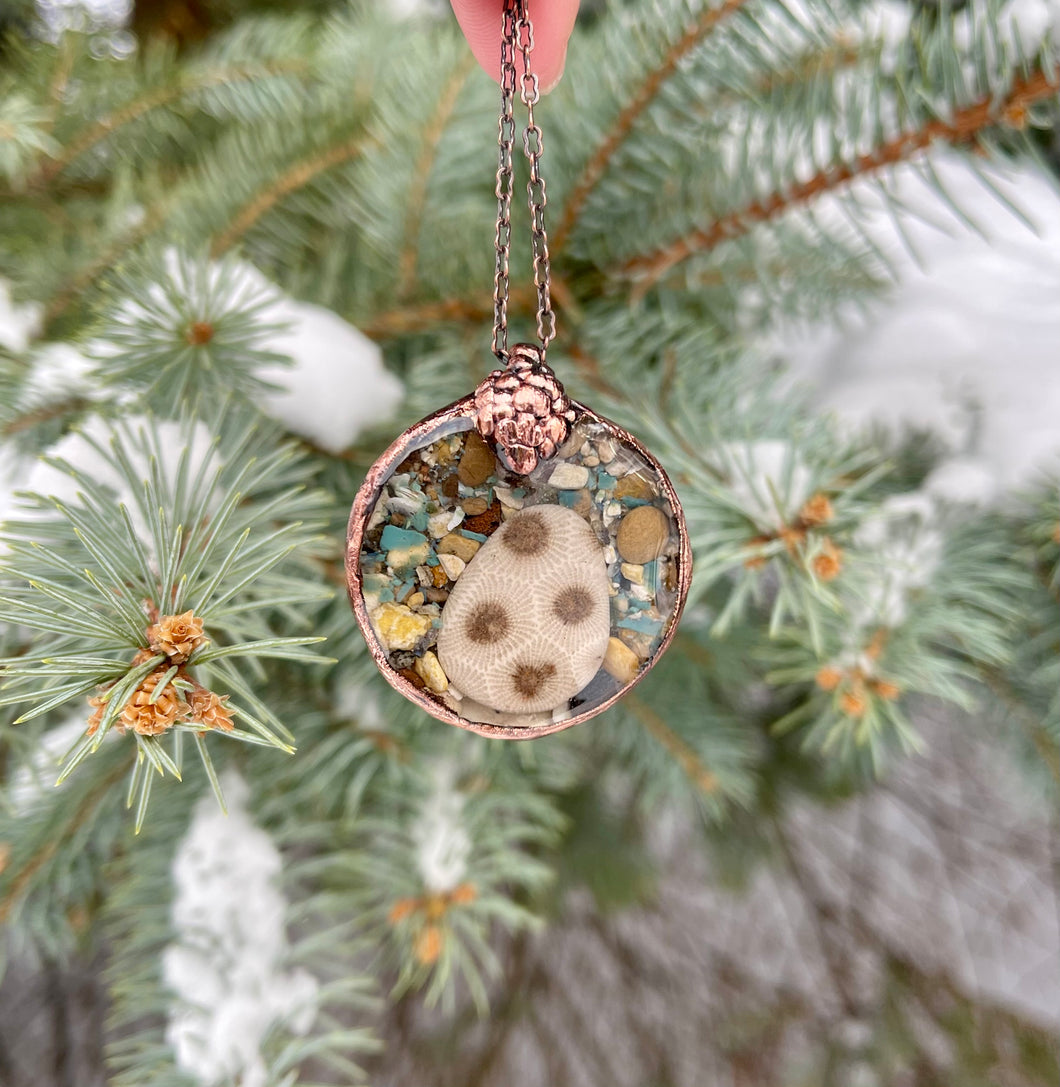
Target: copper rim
416,437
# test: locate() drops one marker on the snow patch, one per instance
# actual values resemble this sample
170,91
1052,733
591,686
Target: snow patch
441,840
77,449
766,479
58,372
967,346
226,965
337,385
19,324
39,774
906,545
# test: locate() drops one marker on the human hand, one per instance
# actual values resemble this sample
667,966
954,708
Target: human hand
553,20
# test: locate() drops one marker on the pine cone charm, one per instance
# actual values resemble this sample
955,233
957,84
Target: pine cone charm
524,409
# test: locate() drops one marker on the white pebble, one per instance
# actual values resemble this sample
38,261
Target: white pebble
453,565
610,554
568,477
438,524
405,500
423,576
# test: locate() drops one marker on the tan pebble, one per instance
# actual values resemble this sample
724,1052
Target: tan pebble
571,447
633,573
620,661
591,461
507,499
443,454
474,506
634,486
398,626
438,575
638,642
415,600
455,544
437,596
430,671
477,462
453,565
424,575
583,504
605,449
642,534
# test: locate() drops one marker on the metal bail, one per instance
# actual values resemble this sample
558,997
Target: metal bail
524,410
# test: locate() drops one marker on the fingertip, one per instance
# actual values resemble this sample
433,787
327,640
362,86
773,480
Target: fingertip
553,21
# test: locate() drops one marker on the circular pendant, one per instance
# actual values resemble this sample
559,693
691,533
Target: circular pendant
515,561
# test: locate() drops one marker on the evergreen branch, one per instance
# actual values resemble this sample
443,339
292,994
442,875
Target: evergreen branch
57,410
966,124
433,132
296,177
405,319
597,165
703,778
152,100
21,880
88,275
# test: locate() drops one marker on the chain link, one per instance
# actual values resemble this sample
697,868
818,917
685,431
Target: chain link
517,32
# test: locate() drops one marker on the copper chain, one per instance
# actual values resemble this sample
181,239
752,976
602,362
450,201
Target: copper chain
517,32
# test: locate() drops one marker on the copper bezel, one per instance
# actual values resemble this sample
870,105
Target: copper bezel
420,435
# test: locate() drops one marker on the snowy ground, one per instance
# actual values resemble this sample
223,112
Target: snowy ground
967,346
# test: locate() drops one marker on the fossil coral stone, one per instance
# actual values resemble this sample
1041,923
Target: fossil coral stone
526,626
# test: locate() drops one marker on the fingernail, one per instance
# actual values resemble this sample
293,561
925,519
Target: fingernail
559,76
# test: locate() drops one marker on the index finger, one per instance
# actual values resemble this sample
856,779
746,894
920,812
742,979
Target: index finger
553,21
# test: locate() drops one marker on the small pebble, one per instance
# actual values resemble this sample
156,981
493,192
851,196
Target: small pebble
430,671
474,506
605,449
438,575
406,501
642,534
438,596
453,565
438,523
424,575
583,504
455,544
571,446
591,461
485,522
477,462
508,500
610,554
620,661
633,573
415,600
398,626
634,486
568,477
639,643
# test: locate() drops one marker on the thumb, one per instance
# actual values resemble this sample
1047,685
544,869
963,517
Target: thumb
553,21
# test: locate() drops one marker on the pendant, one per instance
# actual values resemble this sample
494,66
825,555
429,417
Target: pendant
515,561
